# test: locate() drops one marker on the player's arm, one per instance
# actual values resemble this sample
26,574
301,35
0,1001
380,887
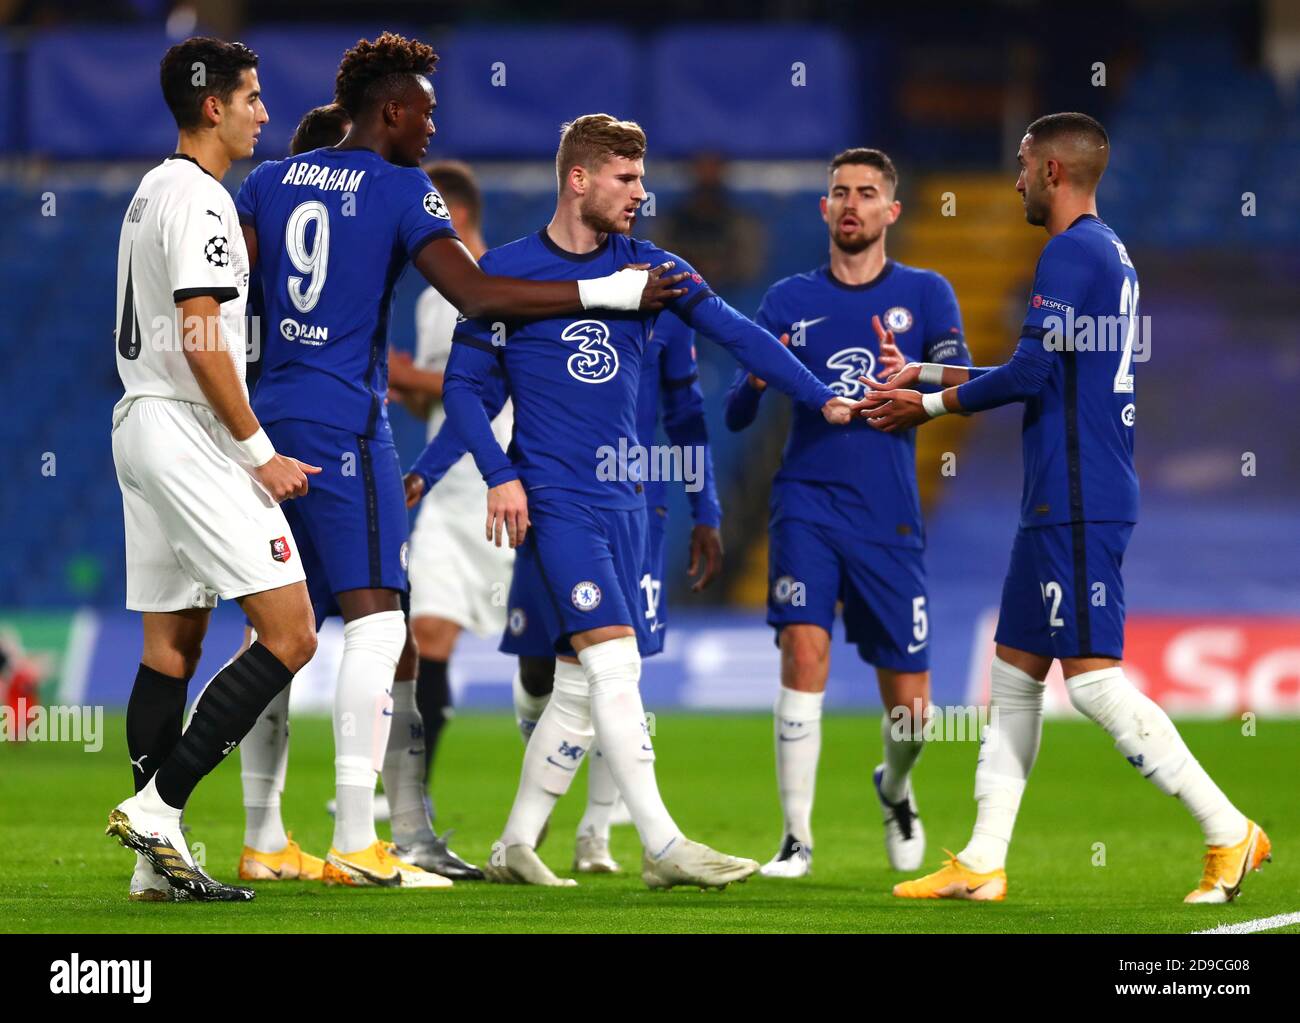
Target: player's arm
448,266
740,406
752,346
469,369
446,448
416,387
209,360
683,419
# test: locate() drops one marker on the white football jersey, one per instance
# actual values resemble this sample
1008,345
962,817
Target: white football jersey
435,323
180,239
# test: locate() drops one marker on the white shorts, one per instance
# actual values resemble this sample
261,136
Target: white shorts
198,526
455,572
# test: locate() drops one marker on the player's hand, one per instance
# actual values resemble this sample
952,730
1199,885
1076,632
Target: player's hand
507,505
838,411
659,289
757,383
891,409
284,477
706,547
413,483
891,359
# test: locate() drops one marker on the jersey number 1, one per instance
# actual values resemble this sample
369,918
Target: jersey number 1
311,262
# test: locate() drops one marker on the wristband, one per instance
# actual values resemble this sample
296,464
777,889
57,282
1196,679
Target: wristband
620,290
931,374
256,450
933,404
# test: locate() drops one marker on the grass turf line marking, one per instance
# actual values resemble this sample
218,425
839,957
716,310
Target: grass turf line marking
1266,923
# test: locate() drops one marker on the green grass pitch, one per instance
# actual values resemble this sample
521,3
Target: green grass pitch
58,872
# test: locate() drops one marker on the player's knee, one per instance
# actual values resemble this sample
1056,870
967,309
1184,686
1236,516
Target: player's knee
806,655
293,645
1095,694
537,675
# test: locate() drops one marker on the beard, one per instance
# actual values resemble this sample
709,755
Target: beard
601,221
859,243
1035,213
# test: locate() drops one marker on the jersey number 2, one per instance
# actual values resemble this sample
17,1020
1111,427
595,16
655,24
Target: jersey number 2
1128,304
311,262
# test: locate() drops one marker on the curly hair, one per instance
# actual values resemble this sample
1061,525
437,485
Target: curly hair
372,71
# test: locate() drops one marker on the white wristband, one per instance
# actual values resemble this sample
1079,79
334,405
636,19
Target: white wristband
931,374
620,290
256,450
933,404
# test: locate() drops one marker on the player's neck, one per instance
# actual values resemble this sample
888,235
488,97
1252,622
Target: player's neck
569,232
360,138
1066,212
858,267
205,149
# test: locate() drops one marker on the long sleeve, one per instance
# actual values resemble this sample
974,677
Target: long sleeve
683,419
741,403
1021,377
466,389
758,351
446,448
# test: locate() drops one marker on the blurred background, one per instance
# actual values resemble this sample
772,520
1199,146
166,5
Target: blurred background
743,112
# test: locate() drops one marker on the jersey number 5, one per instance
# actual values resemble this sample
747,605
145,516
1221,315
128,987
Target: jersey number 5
311,262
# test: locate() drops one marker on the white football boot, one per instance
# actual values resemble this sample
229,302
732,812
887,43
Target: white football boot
695,865
591,856
793,859
147,885
519,864
904,835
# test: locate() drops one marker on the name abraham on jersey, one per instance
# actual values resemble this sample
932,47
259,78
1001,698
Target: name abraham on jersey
851,364
327,179
596,360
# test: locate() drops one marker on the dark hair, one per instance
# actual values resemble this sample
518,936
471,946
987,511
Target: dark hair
320,127
198,68
869,158
458,185
1052,127
373,72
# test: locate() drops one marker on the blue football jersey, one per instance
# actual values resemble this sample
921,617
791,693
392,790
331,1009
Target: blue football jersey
670,383
1075,367
857,478
335,229
575,380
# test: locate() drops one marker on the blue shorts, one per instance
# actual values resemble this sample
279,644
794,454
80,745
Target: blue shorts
1064,593
352,525
652,577
579,568
812,567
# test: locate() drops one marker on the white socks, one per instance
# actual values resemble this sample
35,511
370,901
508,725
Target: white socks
263,759
602,795
902,737
798,748
1149,741
1006,757
528,708
613,669
362,702
553,755
404,769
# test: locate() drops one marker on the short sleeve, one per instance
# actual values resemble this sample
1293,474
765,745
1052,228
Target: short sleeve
945,340
1061,285
197,249
421,213
246,199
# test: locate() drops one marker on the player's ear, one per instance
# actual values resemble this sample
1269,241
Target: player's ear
895,208
578,179
821,204
210,111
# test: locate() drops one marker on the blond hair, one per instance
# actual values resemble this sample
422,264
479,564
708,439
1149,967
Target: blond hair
590,140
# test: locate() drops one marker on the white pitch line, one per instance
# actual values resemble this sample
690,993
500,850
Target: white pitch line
1266,923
